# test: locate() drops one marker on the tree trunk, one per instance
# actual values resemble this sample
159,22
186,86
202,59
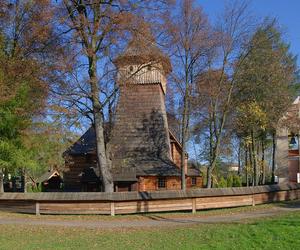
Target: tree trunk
209,177
24,177
103,163
184,138
209,172
254,160
246,166
212,167
1,181
251,165
263,174
273,157
239,159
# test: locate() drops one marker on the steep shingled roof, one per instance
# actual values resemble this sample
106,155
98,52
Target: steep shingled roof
86,144
142,49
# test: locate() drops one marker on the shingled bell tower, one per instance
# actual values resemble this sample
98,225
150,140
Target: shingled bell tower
140,137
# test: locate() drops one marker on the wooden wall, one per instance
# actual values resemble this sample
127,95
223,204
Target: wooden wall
293,168
142,202
149,183
74,165
176,154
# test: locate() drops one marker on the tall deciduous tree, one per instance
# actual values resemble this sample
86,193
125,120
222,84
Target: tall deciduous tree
189,33
29,55
266,78
233,33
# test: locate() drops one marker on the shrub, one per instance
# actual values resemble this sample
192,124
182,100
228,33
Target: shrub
237,182
34,189
229,181
222,183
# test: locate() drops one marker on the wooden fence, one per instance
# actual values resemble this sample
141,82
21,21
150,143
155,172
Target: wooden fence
143,202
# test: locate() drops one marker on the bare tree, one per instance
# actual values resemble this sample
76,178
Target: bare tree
189,33
232,34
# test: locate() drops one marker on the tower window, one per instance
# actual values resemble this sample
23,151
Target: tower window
149,67
131,68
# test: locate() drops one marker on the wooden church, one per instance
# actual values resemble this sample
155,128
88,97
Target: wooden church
143,150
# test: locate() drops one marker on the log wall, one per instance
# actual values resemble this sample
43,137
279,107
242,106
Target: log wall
143,202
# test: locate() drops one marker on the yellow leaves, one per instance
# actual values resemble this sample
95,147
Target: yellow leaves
247,140
252,117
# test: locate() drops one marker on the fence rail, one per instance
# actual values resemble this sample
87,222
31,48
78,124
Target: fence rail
143,202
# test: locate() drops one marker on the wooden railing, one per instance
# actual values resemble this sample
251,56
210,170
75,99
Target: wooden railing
144,202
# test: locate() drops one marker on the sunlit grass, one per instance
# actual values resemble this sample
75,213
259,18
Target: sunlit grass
281,232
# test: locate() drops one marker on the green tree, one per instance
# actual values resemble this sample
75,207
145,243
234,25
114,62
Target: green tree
15,117
265,83
25,33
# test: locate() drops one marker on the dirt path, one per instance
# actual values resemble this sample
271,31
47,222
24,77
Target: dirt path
158,220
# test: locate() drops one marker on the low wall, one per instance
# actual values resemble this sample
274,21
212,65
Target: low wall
143,202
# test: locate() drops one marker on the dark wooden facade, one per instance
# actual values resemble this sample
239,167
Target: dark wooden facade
50,181
77,165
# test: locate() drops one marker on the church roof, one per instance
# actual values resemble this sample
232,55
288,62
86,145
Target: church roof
142,49
47,176
86,144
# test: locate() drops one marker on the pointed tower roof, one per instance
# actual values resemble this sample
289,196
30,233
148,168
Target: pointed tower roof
142,49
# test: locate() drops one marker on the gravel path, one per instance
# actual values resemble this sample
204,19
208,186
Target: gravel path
150,221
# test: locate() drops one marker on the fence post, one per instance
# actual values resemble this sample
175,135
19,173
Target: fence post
253,200
193,205
37,208
112,209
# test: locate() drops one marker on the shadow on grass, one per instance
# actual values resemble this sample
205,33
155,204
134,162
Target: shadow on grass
226,216
288,204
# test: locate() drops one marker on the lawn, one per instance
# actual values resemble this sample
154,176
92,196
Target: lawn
281,232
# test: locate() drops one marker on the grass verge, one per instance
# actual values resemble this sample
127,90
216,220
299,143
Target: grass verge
281,232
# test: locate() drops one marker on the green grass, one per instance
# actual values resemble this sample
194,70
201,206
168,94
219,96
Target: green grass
281,232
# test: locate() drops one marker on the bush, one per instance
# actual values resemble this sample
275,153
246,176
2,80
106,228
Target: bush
237,182
222,183
229,181
34,189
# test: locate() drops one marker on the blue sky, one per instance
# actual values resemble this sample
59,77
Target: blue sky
287,13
